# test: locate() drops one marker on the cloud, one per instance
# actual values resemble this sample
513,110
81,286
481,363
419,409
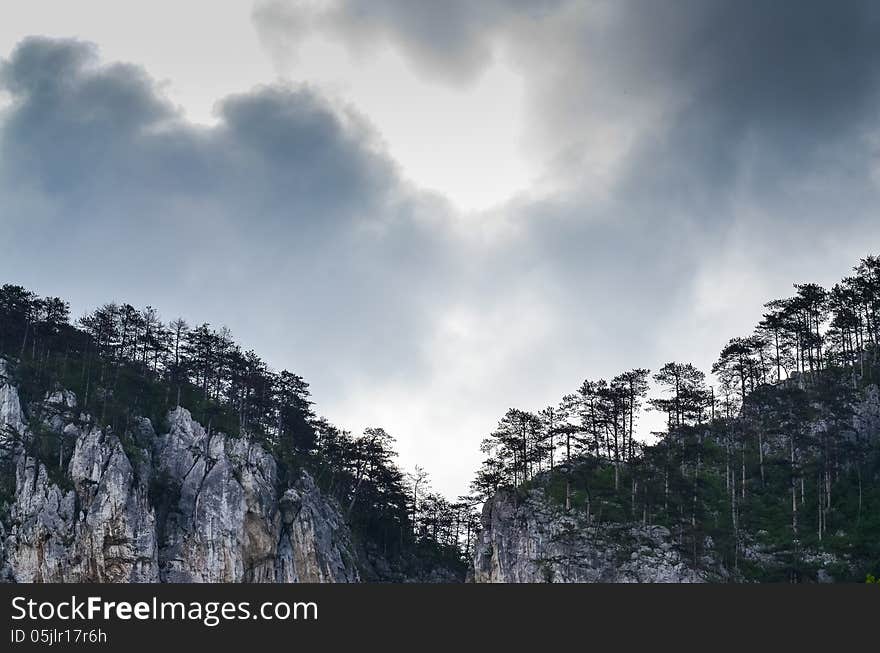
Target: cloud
716,85
608,80
287,205
452,40
699,158
286,146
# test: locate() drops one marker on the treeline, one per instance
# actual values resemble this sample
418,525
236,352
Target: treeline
123,362
773,457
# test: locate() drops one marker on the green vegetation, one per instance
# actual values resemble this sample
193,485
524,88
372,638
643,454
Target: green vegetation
123,363
775,474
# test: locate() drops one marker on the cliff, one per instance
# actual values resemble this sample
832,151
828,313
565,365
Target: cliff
730,516
527,539
183,505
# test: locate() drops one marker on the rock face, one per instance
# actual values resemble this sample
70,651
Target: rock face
867,413
223,520
101,530
528,540
11,418
183,506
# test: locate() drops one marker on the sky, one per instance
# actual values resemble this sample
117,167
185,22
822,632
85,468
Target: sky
437,211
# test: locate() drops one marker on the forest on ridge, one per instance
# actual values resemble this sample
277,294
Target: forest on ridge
780,446
782,451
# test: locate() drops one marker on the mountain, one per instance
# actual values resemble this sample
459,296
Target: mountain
179,505
137,451
527,539
772,475
184,505
133,450
571,524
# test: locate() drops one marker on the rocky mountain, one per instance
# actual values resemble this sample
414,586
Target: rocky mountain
181,505
134,450
528,535
526,539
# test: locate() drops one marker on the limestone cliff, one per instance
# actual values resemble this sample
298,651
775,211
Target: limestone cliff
526,539
183,505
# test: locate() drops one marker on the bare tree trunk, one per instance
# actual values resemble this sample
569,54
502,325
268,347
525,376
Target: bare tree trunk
567,494
859,513
794,507
778,361
633,498
567,471
727,462
27,325
761,456
734,523
666,489
357,486
827,492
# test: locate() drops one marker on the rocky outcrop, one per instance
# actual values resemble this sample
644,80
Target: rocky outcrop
314,546
100,530
529,540
224,520
867,414
183,506
11,418
526,538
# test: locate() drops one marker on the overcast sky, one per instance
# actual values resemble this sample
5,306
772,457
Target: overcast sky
434,211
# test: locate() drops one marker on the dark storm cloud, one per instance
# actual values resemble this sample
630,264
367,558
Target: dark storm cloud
703,156
451,39
80,128
707,150
728,114
775,86
677,105
286,207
